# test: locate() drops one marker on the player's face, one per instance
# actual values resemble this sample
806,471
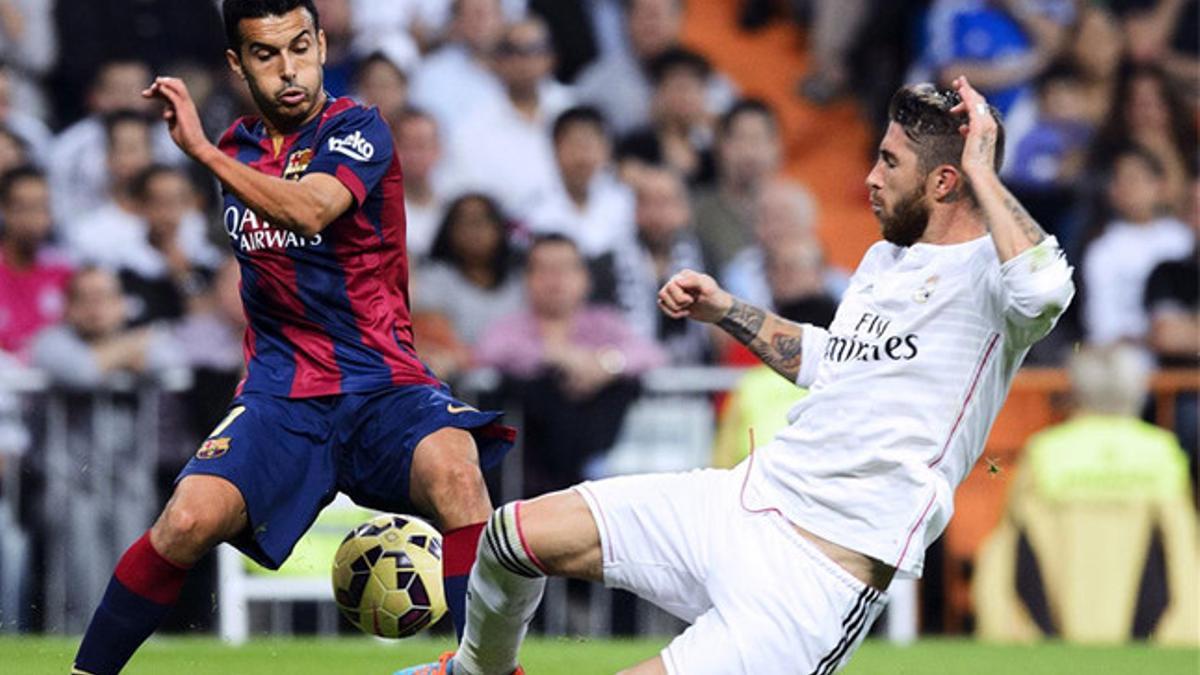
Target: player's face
280,59
897,189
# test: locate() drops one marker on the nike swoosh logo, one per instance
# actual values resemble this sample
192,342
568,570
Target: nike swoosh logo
456,409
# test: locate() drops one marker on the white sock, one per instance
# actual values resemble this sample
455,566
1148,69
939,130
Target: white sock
503,592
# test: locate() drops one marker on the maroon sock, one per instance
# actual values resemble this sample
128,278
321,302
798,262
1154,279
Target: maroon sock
458,556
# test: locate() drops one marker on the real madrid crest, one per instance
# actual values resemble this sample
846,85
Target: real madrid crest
922,294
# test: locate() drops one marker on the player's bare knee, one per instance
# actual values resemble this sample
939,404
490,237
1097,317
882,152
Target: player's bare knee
184,532
456,487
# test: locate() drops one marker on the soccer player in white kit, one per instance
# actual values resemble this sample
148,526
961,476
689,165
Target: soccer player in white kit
782,563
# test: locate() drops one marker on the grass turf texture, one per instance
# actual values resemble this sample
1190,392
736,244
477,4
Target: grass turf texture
201,656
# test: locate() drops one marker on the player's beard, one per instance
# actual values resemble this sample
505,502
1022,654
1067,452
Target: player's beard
906,224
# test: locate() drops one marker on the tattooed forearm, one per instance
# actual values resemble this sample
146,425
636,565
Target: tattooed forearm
1028,225
776,342
743,322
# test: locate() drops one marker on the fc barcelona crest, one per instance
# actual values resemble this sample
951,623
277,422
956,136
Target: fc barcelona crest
297,164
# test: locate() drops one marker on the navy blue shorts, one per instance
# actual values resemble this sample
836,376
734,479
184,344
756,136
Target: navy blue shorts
290,457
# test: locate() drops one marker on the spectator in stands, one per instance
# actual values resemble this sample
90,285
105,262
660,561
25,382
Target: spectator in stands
834,26
1164,32
568,363
1150,112
419,148
17,119
114,235
166,270
620,84
1096,49
381,82
589,204
456,79
1117,263
784,213
341,62
1001,46
13,151
210,337
681,135
1172,301
78,159
666,243
472,276
93,343
748,154
514,131
29,46
33,278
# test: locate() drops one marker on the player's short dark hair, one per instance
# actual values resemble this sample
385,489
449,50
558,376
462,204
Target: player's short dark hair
443,249
923,112
580,115
116,118
747,106
139,189
676,59
552,238
9,179
234,11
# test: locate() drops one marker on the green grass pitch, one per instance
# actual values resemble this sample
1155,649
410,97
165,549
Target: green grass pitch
29,655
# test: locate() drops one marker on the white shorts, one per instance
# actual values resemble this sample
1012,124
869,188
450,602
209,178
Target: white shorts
760,597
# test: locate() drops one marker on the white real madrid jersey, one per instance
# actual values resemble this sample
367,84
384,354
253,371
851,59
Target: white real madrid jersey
903,388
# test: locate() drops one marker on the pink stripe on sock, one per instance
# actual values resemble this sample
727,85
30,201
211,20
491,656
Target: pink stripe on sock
524,545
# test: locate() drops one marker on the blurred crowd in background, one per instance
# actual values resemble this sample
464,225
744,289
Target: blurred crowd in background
561,160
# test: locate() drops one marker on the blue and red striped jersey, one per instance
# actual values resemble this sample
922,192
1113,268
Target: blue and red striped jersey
327,314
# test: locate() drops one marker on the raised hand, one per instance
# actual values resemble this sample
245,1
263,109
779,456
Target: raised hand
981,130
183,121
696,296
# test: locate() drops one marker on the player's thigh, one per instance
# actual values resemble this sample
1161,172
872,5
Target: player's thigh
562,533
657,533
782,605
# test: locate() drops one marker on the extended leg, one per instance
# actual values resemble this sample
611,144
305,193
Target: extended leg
204,511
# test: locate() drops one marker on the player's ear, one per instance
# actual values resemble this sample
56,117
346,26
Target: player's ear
235,62
948,184
321,44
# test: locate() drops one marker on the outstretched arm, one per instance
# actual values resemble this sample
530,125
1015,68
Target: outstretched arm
304,207
1013,230
778,342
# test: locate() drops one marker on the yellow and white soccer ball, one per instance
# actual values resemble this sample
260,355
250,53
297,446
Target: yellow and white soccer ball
387,576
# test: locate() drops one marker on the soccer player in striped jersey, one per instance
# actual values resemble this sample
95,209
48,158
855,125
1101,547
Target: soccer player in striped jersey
334,398
782,563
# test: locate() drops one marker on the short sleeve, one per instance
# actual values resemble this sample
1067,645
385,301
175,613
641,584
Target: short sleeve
355,147
812,349
1036,287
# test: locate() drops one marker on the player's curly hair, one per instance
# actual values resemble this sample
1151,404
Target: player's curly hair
234,11
923,112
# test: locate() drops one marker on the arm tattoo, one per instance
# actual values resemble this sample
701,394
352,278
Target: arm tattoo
781,351
1028,225
743,322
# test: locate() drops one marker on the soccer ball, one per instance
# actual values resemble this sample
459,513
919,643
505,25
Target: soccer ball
387,576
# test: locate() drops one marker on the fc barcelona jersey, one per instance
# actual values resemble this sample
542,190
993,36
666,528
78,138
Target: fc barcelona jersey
327,314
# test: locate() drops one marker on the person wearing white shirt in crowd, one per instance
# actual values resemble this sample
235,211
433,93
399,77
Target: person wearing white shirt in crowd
114,235
782,563
17,119
382,82
77,166
590,205
29,45
419,147
783,212
619,82
457,78
504,148
1117,264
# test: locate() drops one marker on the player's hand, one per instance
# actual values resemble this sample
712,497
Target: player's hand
695,296
981,130
183,121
